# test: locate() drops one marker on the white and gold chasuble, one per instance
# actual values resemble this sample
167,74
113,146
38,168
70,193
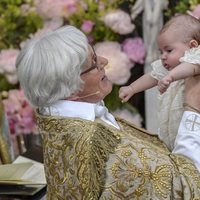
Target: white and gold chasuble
86,160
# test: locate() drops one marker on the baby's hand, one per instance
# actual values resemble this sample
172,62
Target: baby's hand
164,84
125,93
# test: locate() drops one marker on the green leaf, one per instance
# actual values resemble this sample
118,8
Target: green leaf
5,85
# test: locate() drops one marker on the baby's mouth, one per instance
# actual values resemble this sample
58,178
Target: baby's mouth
167,66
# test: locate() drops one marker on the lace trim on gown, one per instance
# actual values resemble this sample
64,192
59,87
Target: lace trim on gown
192,56
158,71
170,106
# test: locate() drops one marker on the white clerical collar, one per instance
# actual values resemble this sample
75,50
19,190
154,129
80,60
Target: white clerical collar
83,110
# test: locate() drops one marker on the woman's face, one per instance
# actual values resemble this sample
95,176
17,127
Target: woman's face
96,85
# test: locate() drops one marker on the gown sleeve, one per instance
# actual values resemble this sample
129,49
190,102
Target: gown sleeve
192,56
158,71
187,142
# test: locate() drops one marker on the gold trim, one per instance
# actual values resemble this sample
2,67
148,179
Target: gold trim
186,105
4,148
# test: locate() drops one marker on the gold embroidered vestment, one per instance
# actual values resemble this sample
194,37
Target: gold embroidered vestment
91,160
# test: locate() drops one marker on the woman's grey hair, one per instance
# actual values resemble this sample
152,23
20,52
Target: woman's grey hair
49,68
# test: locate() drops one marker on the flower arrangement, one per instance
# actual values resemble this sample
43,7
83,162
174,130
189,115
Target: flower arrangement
20,114
107,24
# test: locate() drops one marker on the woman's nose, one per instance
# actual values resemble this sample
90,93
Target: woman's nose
101,62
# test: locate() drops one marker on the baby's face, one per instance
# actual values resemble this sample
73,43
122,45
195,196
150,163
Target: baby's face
171,49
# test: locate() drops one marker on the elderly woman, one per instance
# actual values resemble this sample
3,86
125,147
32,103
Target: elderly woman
88,154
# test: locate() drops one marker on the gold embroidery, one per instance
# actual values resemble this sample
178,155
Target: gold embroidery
90,161
5,156
78,151
131,176
189,174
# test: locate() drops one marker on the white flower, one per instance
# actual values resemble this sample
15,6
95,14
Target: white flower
7,64
119,65
119,21
12,78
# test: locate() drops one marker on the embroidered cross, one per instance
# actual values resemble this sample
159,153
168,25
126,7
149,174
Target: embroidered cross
192,122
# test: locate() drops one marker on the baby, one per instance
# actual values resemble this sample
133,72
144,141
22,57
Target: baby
178,42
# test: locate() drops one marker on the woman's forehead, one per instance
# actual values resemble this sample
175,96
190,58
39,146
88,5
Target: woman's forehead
90,56
90,49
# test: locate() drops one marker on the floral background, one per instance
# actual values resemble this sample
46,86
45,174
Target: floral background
108,26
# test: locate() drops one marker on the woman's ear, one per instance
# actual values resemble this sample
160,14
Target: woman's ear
193,43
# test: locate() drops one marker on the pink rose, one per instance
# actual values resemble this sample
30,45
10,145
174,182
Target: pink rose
7,64
19,113
119,21
87,26
119,65
50,9
195,11
135,49
49,25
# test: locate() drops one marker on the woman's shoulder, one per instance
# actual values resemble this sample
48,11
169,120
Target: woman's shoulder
75,126
59,124
140,136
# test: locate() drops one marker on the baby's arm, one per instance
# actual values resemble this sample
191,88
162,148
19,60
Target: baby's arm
143,83
182,71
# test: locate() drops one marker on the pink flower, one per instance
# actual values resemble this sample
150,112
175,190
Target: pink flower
19,113
135,49
71,7
195,11
87,26
49,25
118,68
55,9
119,21
12,78
101,6
26,8
7,64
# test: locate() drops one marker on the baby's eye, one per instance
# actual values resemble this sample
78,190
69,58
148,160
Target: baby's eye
169,50
160,51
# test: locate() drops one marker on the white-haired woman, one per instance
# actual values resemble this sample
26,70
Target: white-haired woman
88,154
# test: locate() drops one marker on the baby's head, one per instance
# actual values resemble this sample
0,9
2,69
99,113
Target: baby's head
179,34
183,27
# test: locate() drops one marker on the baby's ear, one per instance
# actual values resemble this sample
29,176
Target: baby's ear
193,43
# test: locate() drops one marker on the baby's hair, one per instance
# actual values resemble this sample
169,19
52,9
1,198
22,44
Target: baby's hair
187,26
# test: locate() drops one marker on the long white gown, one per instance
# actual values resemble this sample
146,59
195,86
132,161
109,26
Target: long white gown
170,108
